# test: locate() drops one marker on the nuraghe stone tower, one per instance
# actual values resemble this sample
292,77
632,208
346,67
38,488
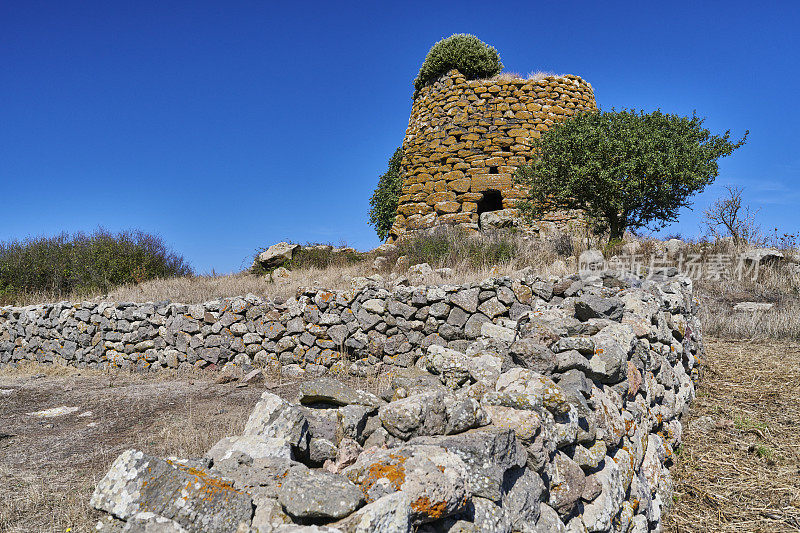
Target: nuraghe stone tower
465,139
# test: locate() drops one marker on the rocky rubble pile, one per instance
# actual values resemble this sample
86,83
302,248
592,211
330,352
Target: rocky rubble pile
564,419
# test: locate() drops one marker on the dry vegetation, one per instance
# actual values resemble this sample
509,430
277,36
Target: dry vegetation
739,466
532,76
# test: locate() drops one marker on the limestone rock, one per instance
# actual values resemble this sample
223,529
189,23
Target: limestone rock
275,417
433,479
277,254
487,453
253,446
388,514
191,497
328,390
319,494
431,413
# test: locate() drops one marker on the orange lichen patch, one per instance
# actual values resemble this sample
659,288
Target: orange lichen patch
393,471
209,485
425,507
325,296
628,425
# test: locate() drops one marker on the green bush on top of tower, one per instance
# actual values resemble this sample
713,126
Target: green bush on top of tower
464,52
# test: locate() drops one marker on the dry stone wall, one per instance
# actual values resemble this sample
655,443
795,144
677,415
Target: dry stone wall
465,139
514,405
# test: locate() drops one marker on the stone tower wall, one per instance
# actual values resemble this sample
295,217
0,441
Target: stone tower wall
467,137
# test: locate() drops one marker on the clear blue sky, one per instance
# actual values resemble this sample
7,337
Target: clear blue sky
229,126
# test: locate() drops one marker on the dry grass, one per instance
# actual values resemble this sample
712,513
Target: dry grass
532,76
739,466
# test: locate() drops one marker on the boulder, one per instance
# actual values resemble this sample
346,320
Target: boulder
275,417
599,513
522,493
253,446
321,450
431,413
433,479
417,274
530,353
610,424
612,345
549,521
389,514
675,247
502,218
319,494
191,497
482,515
466,299
331,391
281,275
592,306
487,454
147,522
451,366
763,256
566,483
268,515
277,254
531,389
493,331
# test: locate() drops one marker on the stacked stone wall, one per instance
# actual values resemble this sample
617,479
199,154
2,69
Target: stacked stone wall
528,405
467,137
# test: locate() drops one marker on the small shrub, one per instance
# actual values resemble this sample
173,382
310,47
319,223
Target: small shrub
383,204
464,52
452,246
78,263
321,256
729,216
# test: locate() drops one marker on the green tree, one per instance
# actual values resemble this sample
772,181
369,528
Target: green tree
464,52
625,169
384,200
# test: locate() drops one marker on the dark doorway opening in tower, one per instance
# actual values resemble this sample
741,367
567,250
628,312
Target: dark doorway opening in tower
492,200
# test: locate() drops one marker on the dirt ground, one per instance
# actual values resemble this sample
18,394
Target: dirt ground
738,469
49,466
